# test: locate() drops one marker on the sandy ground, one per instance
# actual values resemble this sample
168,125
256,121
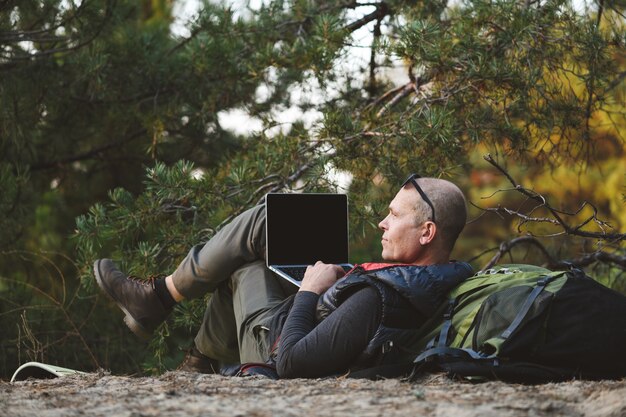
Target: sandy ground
185,394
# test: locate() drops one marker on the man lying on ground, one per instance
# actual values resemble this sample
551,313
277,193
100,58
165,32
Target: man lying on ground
335,322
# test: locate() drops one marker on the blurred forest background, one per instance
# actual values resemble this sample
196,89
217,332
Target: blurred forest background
128,133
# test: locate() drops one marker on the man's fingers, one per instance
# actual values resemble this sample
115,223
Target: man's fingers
319,266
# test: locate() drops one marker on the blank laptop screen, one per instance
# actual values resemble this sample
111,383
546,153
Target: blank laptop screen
305,228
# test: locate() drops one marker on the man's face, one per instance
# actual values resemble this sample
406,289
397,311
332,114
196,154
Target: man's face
400,230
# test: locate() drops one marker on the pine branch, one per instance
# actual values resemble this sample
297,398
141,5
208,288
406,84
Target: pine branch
557,214
88,154
525,218
372,66
551,262
506,247
185,41
385,96
276,183
9,60
588,259
617,81
5,4
382,10
403,91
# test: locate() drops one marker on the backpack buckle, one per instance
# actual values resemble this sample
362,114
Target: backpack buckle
387,346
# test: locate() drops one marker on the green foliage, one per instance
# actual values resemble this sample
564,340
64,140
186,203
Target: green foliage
112,131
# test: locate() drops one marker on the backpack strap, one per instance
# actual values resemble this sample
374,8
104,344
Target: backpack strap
436,358
447,324
457,353
521,314
438,345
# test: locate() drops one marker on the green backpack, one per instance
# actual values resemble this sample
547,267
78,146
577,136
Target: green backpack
522,323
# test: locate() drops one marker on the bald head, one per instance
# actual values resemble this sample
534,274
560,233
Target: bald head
450,209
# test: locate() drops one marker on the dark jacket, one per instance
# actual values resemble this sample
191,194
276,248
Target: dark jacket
410,295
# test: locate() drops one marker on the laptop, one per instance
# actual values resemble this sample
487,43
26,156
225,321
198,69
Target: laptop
302,229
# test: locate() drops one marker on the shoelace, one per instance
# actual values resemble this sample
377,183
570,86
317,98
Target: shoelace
145,281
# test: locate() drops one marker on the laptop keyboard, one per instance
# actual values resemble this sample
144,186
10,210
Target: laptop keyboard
296,272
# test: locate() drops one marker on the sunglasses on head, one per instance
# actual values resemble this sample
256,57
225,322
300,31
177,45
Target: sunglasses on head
411,179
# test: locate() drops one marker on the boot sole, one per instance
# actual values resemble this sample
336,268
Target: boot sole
129,320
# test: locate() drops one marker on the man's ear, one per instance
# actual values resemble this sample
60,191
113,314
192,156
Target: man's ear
428,232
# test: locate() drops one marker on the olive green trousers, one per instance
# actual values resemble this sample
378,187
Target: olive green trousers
244,292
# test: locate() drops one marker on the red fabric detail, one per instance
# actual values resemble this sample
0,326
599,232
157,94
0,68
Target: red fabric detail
370,266
275,345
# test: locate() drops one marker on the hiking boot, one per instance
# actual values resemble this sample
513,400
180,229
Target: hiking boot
135,296
195,361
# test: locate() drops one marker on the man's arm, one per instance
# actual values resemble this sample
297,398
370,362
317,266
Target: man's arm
332,347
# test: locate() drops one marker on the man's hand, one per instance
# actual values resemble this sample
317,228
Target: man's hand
319,277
